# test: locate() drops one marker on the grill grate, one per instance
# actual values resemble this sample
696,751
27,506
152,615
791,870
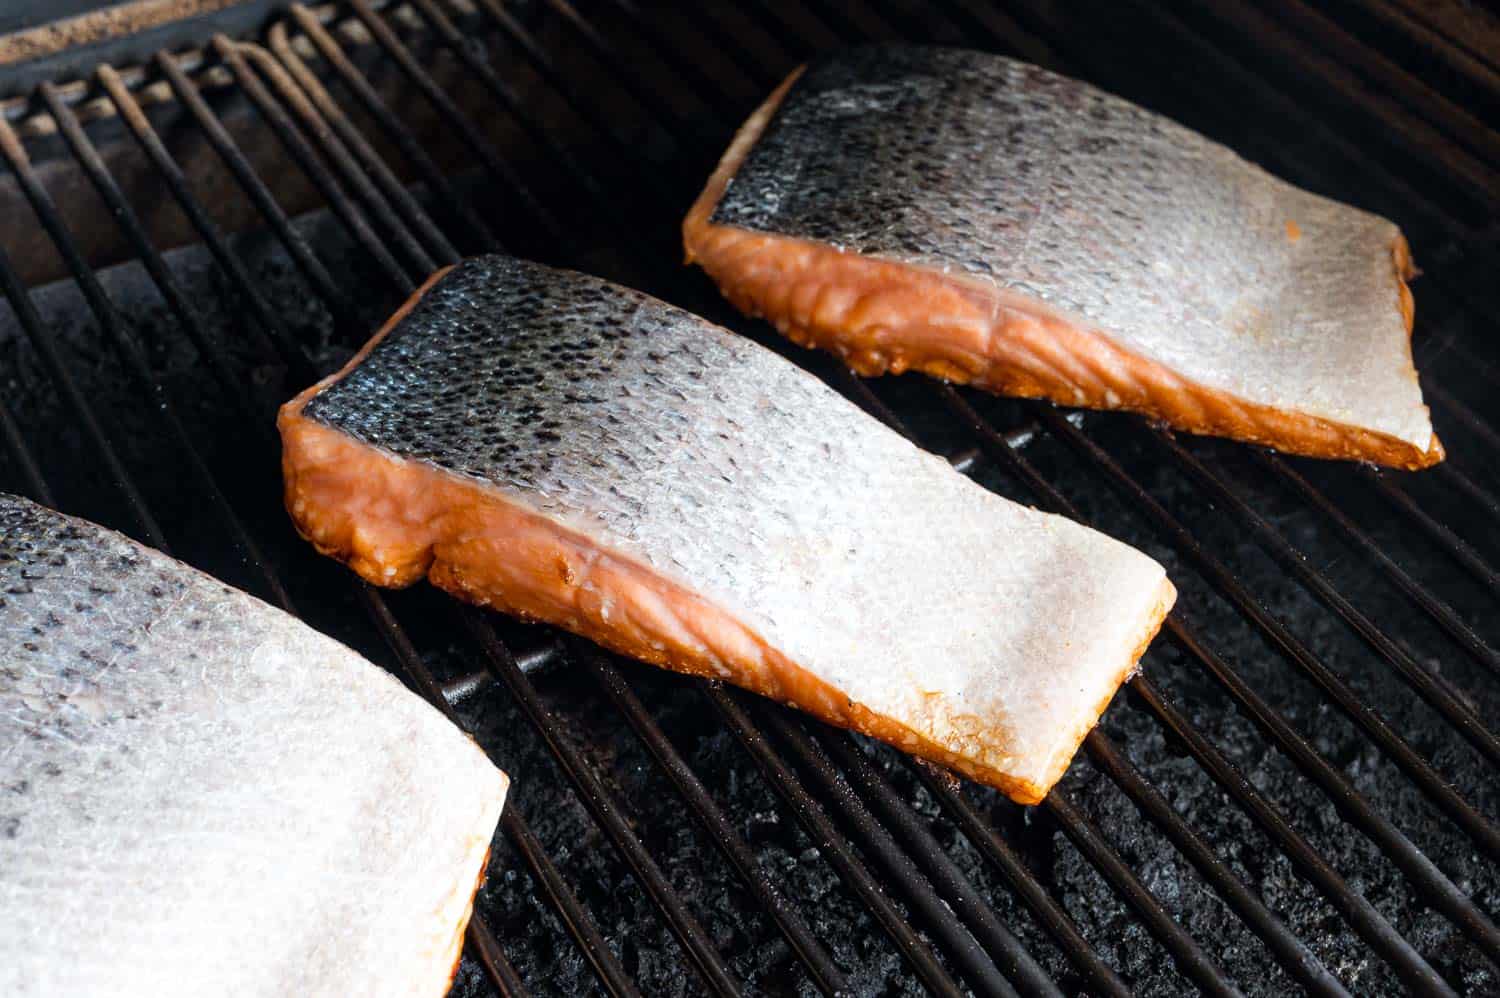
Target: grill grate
621,151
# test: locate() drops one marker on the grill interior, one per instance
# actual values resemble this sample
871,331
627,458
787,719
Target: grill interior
1301,791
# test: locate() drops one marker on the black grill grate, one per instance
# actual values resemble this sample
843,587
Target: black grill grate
612,118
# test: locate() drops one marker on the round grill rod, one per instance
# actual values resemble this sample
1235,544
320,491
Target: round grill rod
1433,885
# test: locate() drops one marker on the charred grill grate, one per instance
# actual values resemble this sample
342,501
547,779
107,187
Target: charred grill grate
1269,806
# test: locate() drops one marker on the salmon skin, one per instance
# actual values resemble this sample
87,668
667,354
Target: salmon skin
565,449
201,795
991,223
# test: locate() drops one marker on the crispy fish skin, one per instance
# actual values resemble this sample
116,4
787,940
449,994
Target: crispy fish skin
991,223
571,451
202,795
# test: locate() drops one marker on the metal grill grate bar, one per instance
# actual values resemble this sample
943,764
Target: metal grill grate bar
393,127
1286,946
629,80
543,65
811,952
187,316
1482,366
576,919
1421,772
1289,950
835,849
702,88
1415,24
218,136
1102,978
1418,132
900,872
465,129
1434,607
1431,687
1434,885
601,805
494,961
265,319
345,143
513,103
1189,956
15,444
1465,415
1454,546
313,167
136,366
955,888
1414,203
1366,920
1486,500
31,325
792,42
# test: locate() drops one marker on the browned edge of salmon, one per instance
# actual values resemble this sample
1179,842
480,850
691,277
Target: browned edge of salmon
394,521
879,316
456,947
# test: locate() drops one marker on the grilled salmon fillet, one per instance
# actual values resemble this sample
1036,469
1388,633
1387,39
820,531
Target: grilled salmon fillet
571,451
991,223
200,795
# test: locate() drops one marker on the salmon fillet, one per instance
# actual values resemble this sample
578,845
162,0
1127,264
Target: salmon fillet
571,451
991,223
200,795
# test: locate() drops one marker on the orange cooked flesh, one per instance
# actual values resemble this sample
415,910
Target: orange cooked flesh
395,522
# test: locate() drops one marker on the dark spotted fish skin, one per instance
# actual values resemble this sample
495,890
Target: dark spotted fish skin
532,343
197,791
874,151
610,410
735,474
74,598
1040,185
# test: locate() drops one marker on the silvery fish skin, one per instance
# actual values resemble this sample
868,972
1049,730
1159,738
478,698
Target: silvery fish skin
1019,180
743,487
201,795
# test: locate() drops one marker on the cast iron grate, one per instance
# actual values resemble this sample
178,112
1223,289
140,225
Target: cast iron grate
1300,792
